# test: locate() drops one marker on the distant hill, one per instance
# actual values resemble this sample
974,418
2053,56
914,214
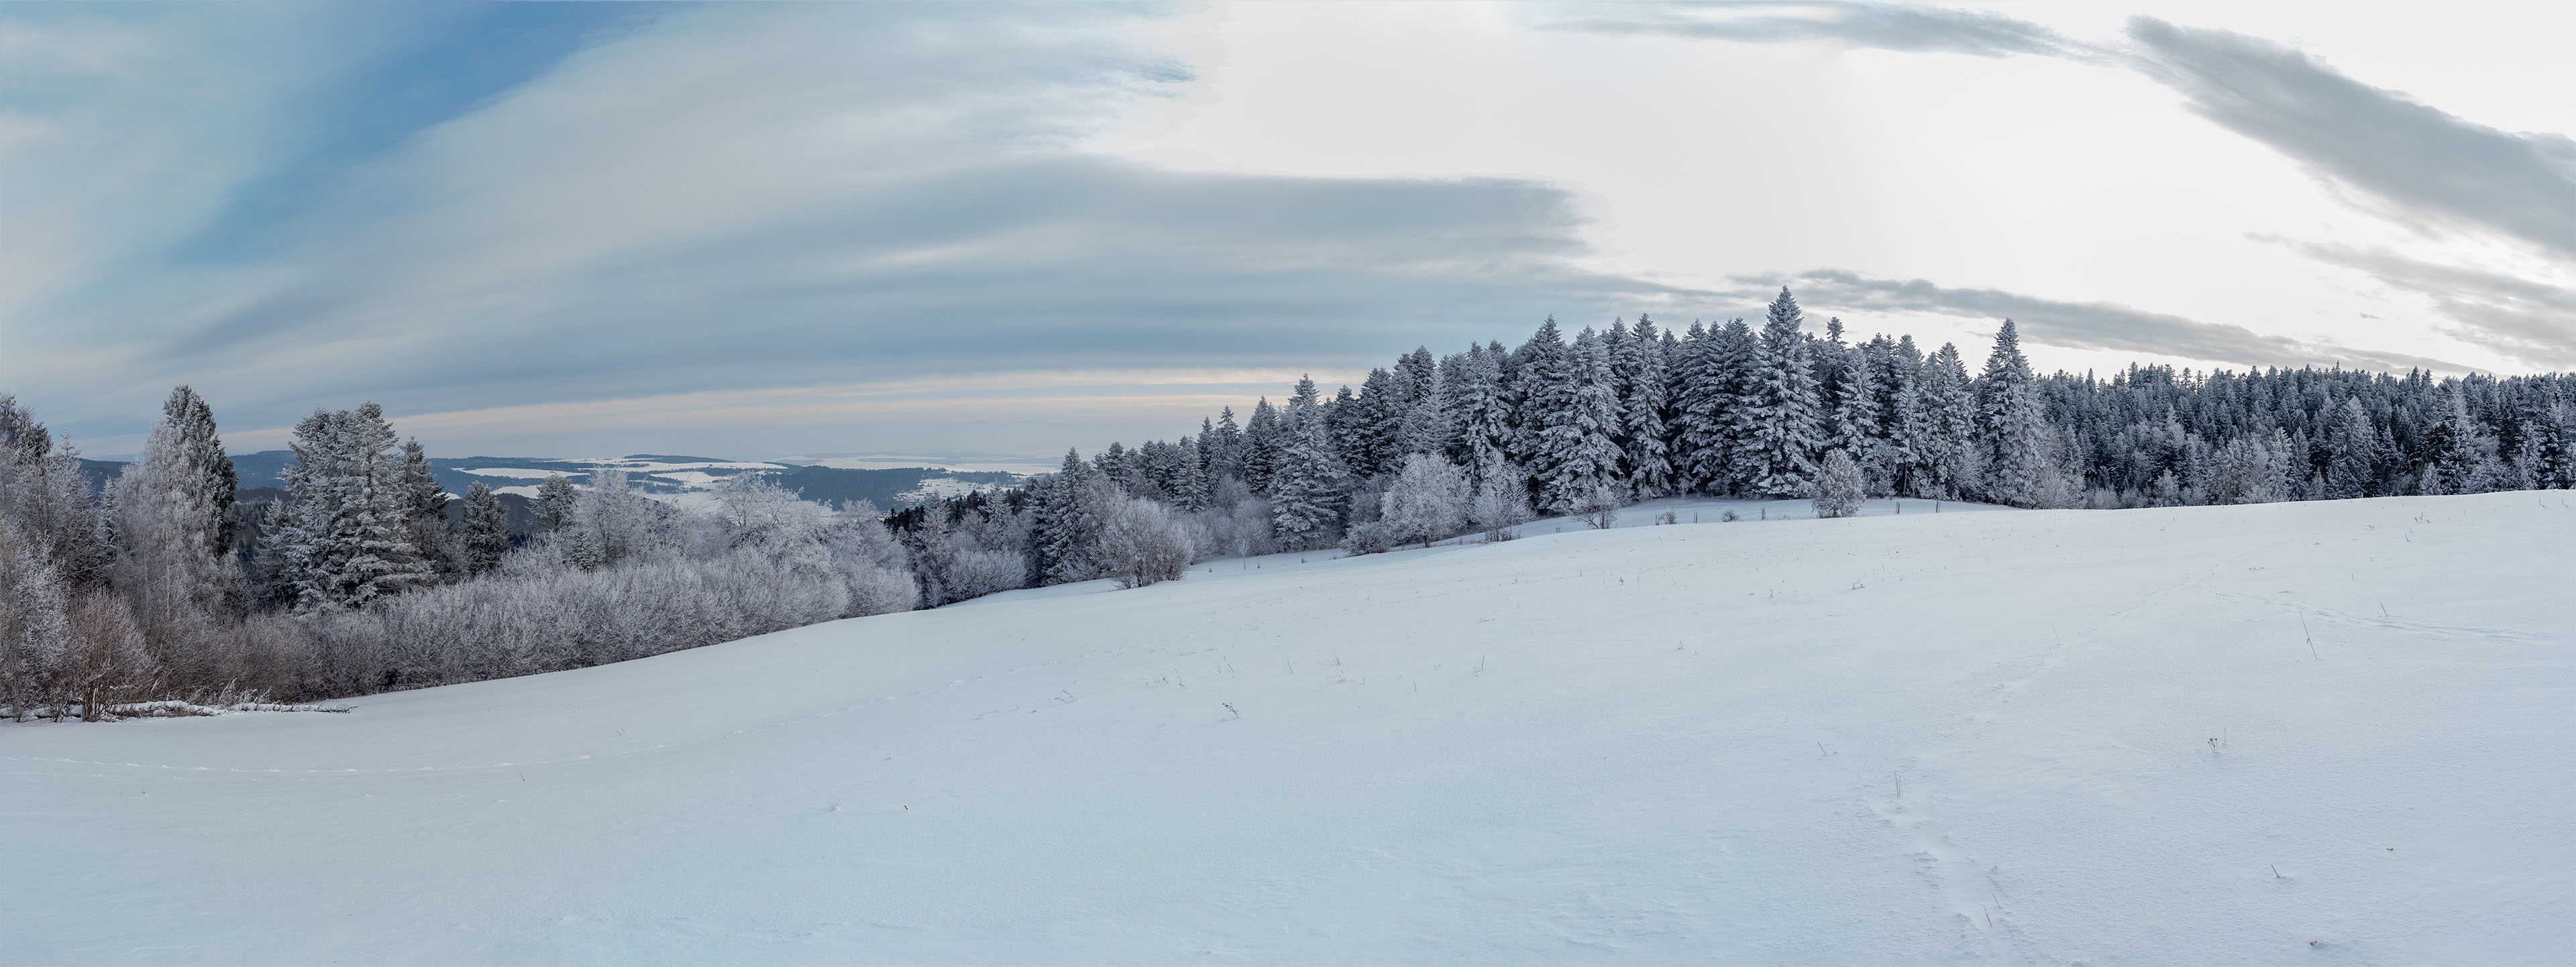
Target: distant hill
663,475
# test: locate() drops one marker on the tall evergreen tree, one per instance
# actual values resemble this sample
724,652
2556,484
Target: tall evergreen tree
486,526
1777,454
1478,409
1261,444
1642,403
2352,453
1072,507
1856,430
1305,494
346,537
1578,455
2011,426
172,531
1543,395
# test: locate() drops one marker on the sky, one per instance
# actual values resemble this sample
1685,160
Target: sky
982,231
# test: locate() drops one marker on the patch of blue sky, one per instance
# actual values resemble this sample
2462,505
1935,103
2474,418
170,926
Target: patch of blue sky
388,73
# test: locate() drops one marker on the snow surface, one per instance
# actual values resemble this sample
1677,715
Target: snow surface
1895,739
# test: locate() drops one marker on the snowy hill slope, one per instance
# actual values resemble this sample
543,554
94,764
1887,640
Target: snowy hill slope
1894,739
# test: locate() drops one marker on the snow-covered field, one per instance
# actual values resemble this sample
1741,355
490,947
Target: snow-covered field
2285,733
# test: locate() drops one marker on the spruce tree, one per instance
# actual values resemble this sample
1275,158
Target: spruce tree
1480,415
1855,421
1777,453
1261,444
2352,453
1072,508
1305,493
486,526
1701,404
1543,394
1576,449
2011,428
1642,404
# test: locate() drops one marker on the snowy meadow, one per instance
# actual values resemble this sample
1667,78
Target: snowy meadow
2256,734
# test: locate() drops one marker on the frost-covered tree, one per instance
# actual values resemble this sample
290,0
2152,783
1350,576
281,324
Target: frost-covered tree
1306,491
1501,497
1780,410
1838,485
1643,387
1261,444
1478,408
555,500
1072,507
1856,428
35,623
43,490
486,529
1427,502
2460,457
425,503
2011,426
346,535
1543,389
1576,445
172,559
1141,544
2554,448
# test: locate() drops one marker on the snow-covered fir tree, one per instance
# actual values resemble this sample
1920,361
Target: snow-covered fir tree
1306,492
1576,448
484,529
1072,507
1543,386
1780,409
1856,429
345,538
2012,426
1478,408
1643,400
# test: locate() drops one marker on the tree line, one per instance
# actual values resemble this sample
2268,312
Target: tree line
1430,447
163,590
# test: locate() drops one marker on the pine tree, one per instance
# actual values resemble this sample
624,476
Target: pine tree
1575,449
1261,444
1702,404
555,500
1855,421
1477,406
1776,455
2454,451
425,504
1543,397
2010,425
1072,508
347,540
1305,494
1190,488
1642,404
2352,453
487,529
2555,466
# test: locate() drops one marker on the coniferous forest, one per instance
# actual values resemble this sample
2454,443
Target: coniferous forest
163,593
